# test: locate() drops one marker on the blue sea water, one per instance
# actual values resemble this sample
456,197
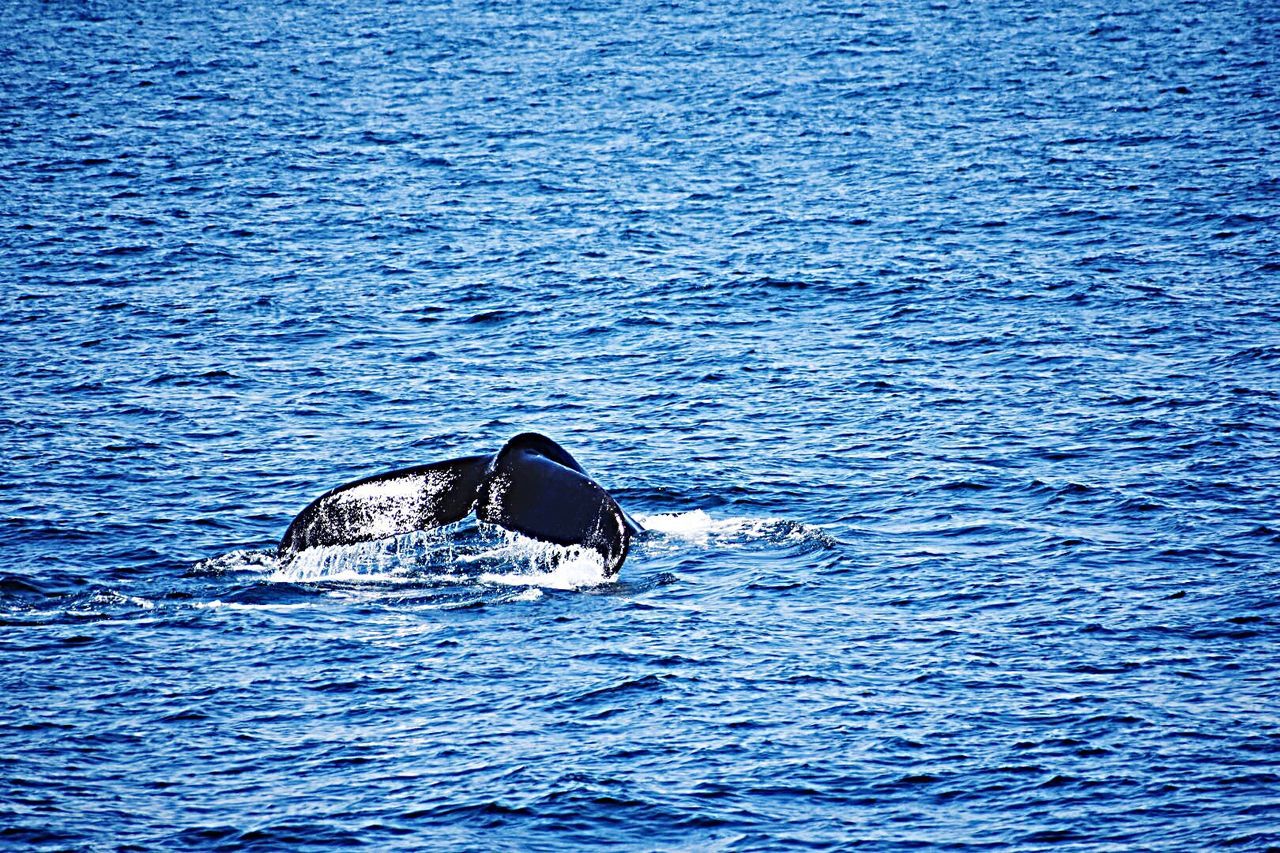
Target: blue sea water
936,343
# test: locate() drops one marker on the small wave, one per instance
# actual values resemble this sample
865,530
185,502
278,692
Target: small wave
107,602
1249,355
219,604
239,560
97,605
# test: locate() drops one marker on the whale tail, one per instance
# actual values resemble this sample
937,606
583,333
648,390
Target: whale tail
531,486
389,504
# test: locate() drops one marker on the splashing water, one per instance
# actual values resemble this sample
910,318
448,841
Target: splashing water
699,528
540,564
487,554
482,554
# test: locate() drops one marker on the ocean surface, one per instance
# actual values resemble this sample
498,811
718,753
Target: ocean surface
936,344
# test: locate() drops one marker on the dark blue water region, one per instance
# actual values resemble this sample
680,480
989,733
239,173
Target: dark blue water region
936,344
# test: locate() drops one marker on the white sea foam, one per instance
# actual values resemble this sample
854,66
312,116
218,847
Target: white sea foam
111,597
694,525
401,559
700,528
108,601
365,561
579,574
219,604
411,559
240,560
499,557
541,564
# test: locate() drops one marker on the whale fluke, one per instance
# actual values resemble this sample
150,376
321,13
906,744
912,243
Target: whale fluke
536,488
531,486
389,504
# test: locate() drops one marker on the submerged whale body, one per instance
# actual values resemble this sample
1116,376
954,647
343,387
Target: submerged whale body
531,486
